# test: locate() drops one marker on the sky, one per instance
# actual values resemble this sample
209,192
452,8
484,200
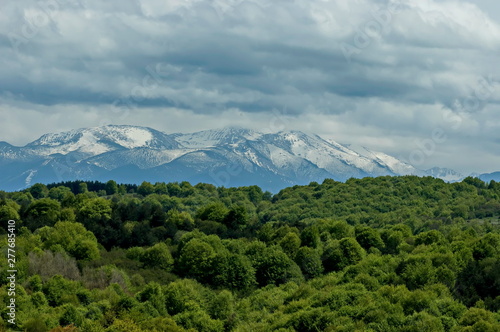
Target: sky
417,79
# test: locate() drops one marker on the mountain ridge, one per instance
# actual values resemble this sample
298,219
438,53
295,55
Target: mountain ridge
225,157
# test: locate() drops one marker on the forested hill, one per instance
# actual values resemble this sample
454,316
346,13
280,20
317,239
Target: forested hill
375,254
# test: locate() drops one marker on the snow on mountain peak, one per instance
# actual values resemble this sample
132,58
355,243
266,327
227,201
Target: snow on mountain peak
216,137
445,173
271,160
128,136
94,141
395,165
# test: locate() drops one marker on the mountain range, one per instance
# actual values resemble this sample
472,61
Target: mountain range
224,157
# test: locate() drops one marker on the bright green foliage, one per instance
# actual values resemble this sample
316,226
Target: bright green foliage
158,256
135,253
199,321
154,295
9,210
477,319
392,241
59,193
59,290
311,320
233,271
368,238
196,260
161,188
123,326
181,220
82,188
71,315
488,246
290,244
146,189
161,324
95,215
7,213
36,324
429,238
275,267
309,261
111,187
374,254
68,214
38,299
185,295
222,305
185,237
339,229
95,211
339,254
35,283
72,237
417,271
424,322
215,212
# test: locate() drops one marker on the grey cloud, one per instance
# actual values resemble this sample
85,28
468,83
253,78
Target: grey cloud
251,57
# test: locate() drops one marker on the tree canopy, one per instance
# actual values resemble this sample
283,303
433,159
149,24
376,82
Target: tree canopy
375,254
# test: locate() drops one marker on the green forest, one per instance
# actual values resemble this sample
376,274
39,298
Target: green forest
375,254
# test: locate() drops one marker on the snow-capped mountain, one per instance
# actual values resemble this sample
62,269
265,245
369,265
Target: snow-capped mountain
225,157
446,174
96,141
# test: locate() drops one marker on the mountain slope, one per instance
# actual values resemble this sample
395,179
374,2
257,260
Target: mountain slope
445,174
95,141
225,157
490,176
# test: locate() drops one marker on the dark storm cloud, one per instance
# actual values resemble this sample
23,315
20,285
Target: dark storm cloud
381,68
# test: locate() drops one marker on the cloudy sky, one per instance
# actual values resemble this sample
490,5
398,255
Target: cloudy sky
418,79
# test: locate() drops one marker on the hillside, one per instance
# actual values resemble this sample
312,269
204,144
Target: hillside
375,254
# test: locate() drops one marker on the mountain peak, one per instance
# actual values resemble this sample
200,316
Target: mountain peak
445,174
235,131
97,140
5,144
217,137
230,156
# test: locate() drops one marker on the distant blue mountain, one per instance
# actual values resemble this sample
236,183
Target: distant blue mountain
490,176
